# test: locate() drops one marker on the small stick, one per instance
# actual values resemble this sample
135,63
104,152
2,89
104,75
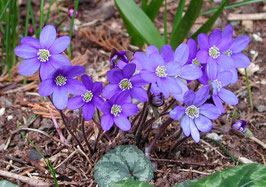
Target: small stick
70,156
30,181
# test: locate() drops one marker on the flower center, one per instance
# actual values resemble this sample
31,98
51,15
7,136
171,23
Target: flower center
192,111
87,97
161,71
60,80
196,62
116,110
43,55
214,52
228,52
125,84
218,84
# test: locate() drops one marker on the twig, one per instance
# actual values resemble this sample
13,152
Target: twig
262,156
30,181
258,142
212,148
195,171
70,156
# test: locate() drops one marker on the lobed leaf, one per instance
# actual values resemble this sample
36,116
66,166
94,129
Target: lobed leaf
122,163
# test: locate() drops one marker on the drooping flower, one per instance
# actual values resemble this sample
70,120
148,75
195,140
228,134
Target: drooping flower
196,116
157,99
89,99
213,48
44,54
61,82
120,58
219,93
240,126
124,81
117,110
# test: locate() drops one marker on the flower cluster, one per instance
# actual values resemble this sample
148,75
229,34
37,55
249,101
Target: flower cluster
213,63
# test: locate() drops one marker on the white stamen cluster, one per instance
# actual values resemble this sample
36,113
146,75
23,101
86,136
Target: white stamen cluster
228,52
161,71
87,97
192,111
116,110
43,55
218,84
60,80
125,84
214,52
196,62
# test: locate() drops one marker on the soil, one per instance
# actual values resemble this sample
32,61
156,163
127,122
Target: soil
100,30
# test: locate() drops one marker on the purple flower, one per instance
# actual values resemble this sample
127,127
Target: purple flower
165,71
120,58
61,82
89,99
44,54
240,125
117,110
125,81
218,81
196,116
157,99
213,48
71,11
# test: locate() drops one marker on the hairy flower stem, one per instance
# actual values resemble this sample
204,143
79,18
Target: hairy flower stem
158,136
69,130
85,137
142,118
181,139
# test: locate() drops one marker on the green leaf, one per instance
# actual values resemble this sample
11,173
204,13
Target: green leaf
243,175
178,16
180,32
153,9
5,183
131,183
208,24
185,183
122,163
141,23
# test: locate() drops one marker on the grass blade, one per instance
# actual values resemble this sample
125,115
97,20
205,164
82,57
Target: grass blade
4,10
144,5
234,5
208,24
48,12
69,49
165,22
144,26
41,18
180,32
178,16
33,19
14,33
153,8
7,42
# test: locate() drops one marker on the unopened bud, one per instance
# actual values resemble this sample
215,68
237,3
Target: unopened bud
157,99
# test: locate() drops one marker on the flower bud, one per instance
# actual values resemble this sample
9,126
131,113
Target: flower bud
120,58
71,11
30,31
157,99
240,126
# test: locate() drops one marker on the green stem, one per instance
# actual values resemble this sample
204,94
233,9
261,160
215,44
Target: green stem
4,10
33,19
41,19
8,42
60,17
69,50
48,12
165,22
14,34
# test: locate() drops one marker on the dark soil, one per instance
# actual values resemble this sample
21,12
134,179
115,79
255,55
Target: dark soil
101,29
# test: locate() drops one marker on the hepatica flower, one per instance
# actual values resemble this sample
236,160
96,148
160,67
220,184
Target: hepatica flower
117,110
195,116
61,82
213,48
89,99
125,81
120,58
219,93
44,54
240,125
